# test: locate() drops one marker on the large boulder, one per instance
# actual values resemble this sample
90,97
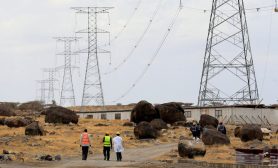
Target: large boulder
143,111
214,137
18,122
158,124
34,129
129,124
32,105
2,121
170,112
250,132
190,148
207,120
144,130
60,115
6,110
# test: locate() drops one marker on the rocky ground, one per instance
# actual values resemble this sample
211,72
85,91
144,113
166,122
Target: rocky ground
63,140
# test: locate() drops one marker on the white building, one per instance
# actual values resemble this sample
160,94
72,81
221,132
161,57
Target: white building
236,114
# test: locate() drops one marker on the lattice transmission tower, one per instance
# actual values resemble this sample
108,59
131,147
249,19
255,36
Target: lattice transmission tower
50,80
228,75
67,97
92,90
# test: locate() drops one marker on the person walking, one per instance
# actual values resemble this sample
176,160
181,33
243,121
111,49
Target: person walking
85,143
193,130
118,146
221,128
107,145
199,130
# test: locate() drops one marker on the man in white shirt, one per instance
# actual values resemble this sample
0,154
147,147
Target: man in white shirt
118,146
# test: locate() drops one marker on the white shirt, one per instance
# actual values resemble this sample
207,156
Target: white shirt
118,144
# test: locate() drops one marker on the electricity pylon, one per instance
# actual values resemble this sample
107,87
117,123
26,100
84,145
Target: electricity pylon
92,90
67,97
228,75
51,72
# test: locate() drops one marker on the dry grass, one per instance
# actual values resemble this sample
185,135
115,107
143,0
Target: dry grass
64,139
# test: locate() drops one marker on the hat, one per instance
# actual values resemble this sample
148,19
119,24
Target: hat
118,133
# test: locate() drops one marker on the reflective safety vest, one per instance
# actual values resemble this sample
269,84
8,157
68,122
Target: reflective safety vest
85,139
107,141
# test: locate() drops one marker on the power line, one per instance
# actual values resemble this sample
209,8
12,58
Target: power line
267,52
156,53
249,10
130,54
126,24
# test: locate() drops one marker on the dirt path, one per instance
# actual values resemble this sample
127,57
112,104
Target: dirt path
130,157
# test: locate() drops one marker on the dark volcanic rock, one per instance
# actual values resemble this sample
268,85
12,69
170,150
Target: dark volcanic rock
2,121
60,115
6,110
46,157
58,157
6,152
207,120
32,105
144,130
158,124
101,125
209,127
189,148
18,122
129,124
250,132
170,112
213,137
34,129
143,111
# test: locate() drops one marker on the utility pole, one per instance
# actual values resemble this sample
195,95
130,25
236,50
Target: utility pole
228,75
92,90
67,97
51,82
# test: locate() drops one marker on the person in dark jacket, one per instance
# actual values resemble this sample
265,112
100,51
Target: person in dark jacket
193,129
107,145
199,130
221,128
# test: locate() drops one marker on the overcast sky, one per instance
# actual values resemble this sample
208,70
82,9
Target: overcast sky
27,28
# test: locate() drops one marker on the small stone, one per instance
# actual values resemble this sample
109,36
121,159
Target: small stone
58,157
6,152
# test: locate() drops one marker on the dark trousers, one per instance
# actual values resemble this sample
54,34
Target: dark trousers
119,156
106,153
85,150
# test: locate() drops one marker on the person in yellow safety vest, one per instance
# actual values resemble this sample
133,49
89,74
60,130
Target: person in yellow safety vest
85,143
107,145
